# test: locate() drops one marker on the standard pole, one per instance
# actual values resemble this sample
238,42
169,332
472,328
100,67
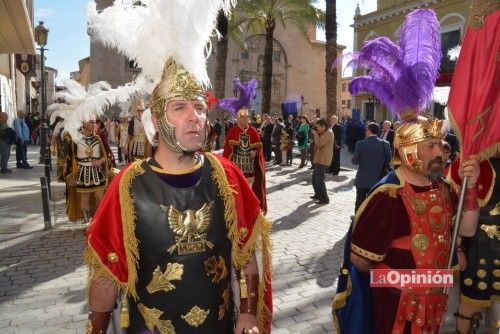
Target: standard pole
45,203
43,129
456,227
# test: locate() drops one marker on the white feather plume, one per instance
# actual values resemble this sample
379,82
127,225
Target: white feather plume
92,102
61,110
147,123
155,30
454,52
440,94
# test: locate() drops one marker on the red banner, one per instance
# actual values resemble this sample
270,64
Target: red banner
473,105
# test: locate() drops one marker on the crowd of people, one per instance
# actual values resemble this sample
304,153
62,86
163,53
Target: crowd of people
178,215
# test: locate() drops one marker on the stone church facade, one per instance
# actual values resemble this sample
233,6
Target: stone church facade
298,69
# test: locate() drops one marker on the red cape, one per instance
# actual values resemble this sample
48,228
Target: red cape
113,248
259,184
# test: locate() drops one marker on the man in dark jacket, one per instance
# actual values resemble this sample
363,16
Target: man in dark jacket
337,145
275,140
387,133
372,154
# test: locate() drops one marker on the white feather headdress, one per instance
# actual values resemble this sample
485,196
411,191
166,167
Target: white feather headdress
154,31
83,104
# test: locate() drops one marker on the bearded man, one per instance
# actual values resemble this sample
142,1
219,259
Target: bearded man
406,221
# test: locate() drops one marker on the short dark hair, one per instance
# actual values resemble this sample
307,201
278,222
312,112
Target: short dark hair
373,127
322,122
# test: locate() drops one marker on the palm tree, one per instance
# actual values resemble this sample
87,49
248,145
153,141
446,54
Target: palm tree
260,16
331,55
221,55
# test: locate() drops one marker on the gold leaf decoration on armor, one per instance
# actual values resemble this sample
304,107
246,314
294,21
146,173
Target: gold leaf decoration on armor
496,272
420,241
216,267
468,281
491,230
190,228
418,205
152,320
196,316
161,281
496,285
496,210
482,285
225,304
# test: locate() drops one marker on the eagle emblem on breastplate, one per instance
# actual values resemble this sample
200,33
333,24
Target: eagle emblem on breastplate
190,228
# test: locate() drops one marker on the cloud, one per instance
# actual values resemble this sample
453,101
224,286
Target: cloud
44,13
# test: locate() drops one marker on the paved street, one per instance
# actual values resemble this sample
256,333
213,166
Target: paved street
43,280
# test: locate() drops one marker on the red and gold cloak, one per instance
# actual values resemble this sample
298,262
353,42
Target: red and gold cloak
112,248
259,183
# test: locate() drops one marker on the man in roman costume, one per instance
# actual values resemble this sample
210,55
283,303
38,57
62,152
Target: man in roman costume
406,221
180,219
243,145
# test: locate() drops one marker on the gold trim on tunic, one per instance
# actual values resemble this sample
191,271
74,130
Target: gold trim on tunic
182,172
162,281
367,254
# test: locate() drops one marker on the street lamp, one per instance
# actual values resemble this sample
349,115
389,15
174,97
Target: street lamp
41,35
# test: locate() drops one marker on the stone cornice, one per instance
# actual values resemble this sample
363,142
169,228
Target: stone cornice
391,12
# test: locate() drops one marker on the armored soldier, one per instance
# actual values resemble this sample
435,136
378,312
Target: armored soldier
87,167
138,145
177,220
406,220
242,144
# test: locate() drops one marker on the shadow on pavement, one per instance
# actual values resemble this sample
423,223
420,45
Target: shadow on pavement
330,262
344,187
296,178
37,262
296,217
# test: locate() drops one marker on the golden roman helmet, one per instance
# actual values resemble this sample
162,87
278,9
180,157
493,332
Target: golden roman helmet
176,84
414,130
243,112
138,105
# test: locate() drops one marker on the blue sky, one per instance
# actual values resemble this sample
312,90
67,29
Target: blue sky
68,40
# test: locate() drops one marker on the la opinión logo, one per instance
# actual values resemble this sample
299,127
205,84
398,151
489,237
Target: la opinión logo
415,278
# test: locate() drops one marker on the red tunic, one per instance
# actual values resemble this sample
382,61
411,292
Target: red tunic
382,219
232,140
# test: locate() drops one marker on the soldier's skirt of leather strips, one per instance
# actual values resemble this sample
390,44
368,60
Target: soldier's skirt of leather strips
480,282
89,179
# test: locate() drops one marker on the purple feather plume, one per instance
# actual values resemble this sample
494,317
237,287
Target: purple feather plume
246,93
401,75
